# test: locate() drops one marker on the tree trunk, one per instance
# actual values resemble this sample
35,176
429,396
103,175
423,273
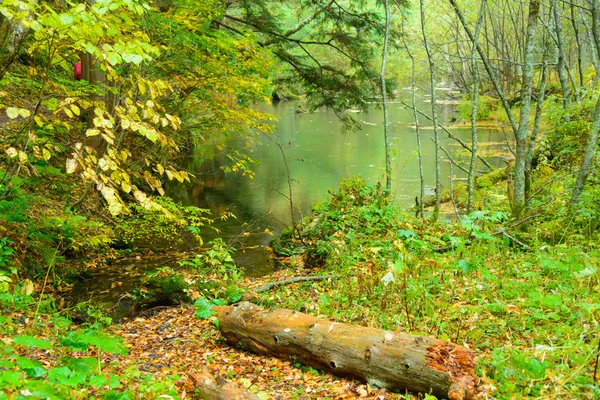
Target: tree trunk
382,358
386,122
534,133
421,200
526,89
560,65
434,114
578,43
475,73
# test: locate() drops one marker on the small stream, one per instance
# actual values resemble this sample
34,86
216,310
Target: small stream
319,155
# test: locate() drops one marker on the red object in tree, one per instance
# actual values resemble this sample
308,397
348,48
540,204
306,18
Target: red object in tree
77,71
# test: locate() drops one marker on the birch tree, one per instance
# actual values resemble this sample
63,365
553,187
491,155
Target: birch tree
434,114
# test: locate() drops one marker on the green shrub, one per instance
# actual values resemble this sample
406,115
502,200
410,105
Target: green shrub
486,105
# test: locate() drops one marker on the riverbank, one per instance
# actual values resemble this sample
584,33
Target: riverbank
525,312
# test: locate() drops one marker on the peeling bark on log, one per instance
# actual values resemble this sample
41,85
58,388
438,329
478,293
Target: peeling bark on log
384,359
210,389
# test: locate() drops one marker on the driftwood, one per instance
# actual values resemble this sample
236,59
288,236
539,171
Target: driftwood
211,388
384,359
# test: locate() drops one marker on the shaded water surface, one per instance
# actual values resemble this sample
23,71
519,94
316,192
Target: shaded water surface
319,154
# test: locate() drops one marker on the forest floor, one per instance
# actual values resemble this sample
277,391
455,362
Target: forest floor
175,342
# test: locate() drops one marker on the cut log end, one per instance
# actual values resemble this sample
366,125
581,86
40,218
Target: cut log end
458,362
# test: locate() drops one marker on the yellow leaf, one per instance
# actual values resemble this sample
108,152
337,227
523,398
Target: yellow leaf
68,112
71,165
38,121
108,138
46,154
125,123
75,109
160,169
12,152
27,287
103,164
140,196
92,132
12,112
126,187
22,157
23,112
141,87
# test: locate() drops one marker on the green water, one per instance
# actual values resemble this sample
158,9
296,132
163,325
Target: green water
319,155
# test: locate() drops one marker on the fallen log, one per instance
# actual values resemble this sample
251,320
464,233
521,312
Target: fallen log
384,359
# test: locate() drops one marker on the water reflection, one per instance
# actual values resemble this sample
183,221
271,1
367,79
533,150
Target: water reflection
319,155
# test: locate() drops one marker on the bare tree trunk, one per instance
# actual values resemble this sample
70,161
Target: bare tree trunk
560,65
592,140
579,45
526,89
386,122
534,132
421,202
475,73
434,115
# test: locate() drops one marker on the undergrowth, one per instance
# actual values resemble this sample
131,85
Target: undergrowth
531,314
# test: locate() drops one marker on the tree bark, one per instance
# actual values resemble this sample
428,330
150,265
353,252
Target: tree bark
434,114
421,207
560,65
382,358
386,121
526,89
539,108
475,73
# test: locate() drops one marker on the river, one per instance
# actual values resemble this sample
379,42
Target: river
319,155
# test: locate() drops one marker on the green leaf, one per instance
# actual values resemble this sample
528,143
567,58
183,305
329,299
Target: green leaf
465,266
66,19
30,341
106,343
114,395
113,59
98,380
405,233
41,389
10,377
33,368
86,365
203,308
65,376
